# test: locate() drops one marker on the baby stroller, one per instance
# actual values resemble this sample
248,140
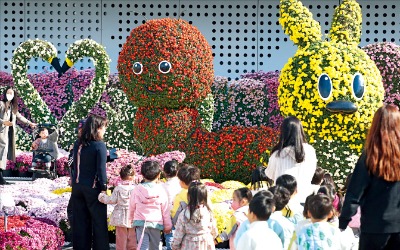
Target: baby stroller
46,152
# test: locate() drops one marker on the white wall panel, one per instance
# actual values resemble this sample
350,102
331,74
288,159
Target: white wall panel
245,35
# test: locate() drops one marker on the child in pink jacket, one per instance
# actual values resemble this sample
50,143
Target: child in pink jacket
149,208
125,234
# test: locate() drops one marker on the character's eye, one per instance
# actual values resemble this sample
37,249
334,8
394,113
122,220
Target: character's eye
137,68
164,67
358,86
324,86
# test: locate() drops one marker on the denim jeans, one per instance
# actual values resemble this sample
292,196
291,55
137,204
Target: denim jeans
169,238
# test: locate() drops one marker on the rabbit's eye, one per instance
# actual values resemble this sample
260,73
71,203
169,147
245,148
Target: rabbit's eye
324,86
358,86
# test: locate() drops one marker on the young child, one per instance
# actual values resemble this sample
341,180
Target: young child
319,234
48,145
149,208
317,179
259,180
336,198
259,236
294,210
328,179
125,234
271,223
281,198
196,227
172,187
240,204
301,224
186,174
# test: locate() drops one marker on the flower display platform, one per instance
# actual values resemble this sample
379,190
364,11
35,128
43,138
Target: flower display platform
45,199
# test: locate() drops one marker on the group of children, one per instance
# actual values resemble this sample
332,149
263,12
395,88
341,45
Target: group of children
264,215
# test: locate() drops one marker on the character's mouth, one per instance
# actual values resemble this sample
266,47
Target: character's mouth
149,91
344,107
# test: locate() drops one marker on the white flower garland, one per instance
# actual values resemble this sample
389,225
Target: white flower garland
45,50
120,129
19,67
92,94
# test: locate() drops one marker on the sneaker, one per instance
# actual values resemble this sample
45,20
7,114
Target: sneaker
31,169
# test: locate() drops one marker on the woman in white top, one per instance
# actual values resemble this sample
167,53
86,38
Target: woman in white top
294,156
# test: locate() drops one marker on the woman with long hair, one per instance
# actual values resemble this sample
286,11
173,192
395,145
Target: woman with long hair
294,156
8,116
88,181
375,184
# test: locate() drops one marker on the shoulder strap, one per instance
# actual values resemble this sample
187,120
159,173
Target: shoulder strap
78,159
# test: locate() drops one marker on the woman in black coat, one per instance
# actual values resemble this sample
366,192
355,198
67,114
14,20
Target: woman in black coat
375,184
88,180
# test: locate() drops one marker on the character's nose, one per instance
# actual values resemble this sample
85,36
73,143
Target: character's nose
344,107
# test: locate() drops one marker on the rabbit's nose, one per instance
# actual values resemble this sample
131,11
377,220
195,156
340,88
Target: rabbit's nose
344,107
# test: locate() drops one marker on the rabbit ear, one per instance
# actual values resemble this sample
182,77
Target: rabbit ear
298,23
346,25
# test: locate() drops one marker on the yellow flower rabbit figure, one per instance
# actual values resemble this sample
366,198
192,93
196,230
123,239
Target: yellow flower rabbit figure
332,86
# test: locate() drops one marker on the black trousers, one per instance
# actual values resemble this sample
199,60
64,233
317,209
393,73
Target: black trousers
369,241
89,221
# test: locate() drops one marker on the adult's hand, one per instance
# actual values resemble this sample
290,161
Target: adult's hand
33,125
7,123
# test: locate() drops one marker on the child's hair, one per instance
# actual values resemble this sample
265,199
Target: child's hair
40,130
287,181
126,172
150,170
281,197
320,206
328,180
197,195
171,168
265,193
262,207
257,177
336,198
188,173
306,205
318,176
243,193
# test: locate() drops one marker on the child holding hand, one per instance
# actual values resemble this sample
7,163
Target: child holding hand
150,208
125,233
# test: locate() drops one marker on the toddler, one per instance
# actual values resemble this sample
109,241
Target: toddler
293,210
125,234
319,234
46,148
271,223
240,204
281,198
196,227
259,235
317,179
259,180
172,187
186,174
149,208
